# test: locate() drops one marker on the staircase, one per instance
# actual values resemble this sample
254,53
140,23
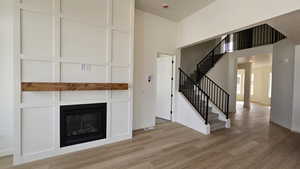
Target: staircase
209,99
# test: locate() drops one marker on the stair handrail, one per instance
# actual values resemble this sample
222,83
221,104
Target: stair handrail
194,97
214,92
214,83
209,86
195,83
217,95
212,50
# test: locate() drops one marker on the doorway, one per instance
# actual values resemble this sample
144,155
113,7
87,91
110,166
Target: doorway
164,87
254,81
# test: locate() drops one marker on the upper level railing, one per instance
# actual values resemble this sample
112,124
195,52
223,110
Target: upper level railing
213,56
205,86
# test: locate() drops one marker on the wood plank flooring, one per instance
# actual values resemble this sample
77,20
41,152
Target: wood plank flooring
251,143
6,161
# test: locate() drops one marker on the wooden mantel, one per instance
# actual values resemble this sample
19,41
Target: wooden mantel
45,86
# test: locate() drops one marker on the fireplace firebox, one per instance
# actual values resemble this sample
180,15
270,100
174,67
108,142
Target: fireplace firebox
82,123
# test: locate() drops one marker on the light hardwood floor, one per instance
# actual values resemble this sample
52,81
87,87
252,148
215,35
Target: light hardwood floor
251,143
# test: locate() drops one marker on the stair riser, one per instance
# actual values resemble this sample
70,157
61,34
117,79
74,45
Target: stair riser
217,127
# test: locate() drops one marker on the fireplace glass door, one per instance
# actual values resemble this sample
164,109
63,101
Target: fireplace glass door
82,123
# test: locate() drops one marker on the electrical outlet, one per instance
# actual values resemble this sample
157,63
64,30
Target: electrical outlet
83,67
88,67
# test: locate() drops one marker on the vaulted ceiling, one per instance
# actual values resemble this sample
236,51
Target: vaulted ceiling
289,25
178,9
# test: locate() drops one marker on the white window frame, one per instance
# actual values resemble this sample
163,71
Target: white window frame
252,84
239,84
270,85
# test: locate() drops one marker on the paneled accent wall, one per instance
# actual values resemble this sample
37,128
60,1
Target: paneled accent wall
87,41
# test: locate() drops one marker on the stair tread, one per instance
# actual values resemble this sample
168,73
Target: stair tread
217,125
212,115
216,122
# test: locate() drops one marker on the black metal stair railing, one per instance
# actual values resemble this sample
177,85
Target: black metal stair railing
192,91
213,56
199,89
217,95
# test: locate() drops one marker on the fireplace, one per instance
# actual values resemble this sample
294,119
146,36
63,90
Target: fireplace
82,123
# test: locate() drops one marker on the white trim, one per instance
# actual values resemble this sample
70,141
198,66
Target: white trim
174,88
221,115
295,130
165,54
189,116
173,100
17,79
56,60
98,26
131,66
6,152
66,150
31,10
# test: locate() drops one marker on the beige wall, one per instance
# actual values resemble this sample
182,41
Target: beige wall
261,85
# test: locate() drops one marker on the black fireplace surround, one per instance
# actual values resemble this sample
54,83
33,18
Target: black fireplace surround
82,123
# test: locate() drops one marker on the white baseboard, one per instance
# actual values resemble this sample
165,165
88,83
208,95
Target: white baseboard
6,152
188,116
26,158
296,130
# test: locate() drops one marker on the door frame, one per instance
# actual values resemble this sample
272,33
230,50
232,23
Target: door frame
173,80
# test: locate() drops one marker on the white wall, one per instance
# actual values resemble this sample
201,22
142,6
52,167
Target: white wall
187,115
282,83
224,74
153,34
296,105
96,33
247,82
6,74
225,71
223,16
192,55
267,49
232,81
261,84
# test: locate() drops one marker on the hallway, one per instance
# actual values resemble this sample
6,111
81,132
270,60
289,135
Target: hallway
257,115
251,143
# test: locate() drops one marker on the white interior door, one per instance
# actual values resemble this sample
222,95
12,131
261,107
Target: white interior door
164,86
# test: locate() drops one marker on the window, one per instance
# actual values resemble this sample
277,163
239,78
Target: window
239,84
228,45
270,85
252,84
